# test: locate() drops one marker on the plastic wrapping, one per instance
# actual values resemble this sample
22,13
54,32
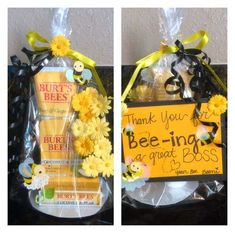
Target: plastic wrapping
58,156
151,81
149,87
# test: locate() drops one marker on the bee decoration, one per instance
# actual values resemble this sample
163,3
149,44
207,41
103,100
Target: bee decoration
129,129
134,175
79,74
34,175
134,171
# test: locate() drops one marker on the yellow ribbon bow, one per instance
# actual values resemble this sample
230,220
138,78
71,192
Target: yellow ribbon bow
33,38
155,56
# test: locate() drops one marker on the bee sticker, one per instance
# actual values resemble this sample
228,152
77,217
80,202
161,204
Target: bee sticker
129,129
79,74
34,175
134,171
134,175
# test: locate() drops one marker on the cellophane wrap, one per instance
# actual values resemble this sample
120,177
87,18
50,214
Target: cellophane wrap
149,87
59,185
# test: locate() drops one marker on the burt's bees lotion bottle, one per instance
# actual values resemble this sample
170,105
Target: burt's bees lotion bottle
54,94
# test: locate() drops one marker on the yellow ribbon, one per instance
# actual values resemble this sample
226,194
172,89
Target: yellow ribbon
150,59
33,38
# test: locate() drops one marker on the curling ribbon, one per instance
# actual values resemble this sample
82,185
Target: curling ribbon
33,38
198,79
197,84
17,108
214,126
150,59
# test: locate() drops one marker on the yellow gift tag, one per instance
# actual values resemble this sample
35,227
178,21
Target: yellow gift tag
168,141
74,183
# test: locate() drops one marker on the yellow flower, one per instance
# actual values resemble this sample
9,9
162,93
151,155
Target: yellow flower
102,146
217,104
79,128
124,108
99,128
80,101
101,105
141,93
107,166
91,92
60,46
86,115
83,146
92,166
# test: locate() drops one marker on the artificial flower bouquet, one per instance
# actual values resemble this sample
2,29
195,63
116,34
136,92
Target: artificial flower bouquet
173,122
67,157
91,133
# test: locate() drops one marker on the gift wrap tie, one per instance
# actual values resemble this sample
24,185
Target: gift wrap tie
41,55
150,59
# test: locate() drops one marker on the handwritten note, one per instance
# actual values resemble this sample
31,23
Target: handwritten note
168,140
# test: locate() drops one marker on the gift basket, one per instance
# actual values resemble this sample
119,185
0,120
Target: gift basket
173,122
66,162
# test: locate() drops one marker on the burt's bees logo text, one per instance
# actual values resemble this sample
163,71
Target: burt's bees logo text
56,91
56,143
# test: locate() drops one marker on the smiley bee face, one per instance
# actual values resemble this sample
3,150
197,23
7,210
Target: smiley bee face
78,66
135,167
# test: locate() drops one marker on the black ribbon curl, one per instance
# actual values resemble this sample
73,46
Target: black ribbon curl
18,98
210,124
198,83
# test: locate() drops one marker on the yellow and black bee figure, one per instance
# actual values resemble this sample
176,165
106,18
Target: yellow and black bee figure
79,74
133,172
34,175
128,130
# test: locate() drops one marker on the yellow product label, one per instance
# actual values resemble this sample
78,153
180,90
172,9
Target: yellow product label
73,198
55,145
58,170
166,139
54,93
74,183
77,196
